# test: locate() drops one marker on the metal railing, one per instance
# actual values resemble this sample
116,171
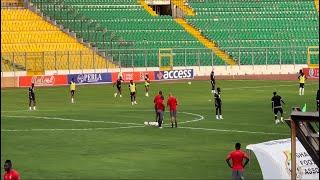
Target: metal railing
206,57
57,60
30,61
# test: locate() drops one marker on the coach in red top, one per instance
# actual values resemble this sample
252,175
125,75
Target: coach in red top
10,173
172,103
160,110
156,98
237,166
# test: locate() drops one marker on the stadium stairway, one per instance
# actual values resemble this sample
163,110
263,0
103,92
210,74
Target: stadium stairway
28,42
207,43
188,11
185,8
316,3
148,8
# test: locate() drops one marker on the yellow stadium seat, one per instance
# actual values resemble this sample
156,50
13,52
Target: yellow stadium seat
23,31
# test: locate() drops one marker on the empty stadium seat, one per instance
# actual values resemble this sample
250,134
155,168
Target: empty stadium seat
129,21
30,43
268,29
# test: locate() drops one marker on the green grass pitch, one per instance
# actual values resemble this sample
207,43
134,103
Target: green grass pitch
61,142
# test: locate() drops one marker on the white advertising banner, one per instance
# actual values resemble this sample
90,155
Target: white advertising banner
274,158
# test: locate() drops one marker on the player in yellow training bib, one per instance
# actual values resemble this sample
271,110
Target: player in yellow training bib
302,77
147,84
133,90
72,89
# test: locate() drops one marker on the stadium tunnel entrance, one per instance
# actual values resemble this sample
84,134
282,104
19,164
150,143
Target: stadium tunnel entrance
162,10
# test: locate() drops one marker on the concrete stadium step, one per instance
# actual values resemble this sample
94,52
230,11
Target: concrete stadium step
209,44
148,8
185,8
316,3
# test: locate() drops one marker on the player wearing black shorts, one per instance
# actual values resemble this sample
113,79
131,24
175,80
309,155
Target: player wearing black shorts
133,90
302,78
72,90
218,103
118,84
277,107
156,98
32,98
213,82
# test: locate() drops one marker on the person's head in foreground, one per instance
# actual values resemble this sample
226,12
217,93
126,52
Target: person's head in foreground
7,165
237,146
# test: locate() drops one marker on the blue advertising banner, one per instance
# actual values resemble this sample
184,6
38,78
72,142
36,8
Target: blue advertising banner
174,74
90,78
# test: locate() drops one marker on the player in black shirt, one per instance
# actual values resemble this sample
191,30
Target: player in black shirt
118,84
32,98
277,107
212,81
218,103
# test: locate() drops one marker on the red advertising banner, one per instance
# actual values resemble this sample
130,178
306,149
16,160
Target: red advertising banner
135,76
311,72
52,80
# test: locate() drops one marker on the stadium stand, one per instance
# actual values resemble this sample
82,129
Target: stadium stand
259,24
11,3
270,32
148,8
182,4
130,21
30,43
205,41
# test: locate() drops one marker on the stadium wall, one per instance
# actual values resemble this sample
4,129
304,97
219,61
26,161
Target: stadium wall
102,76
203,70
9,82
199,70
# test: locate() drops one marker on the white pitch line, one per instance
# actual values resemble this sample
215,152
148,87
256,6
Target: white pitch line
232,130
130,127
108,122
75,120
258,87
188,113
28,110
84,129
199,119
137,125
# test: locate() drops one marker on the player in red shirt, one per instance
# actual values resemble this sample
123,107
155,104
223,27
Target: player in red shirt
237,158
172,103
160,110
10,173
156,98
